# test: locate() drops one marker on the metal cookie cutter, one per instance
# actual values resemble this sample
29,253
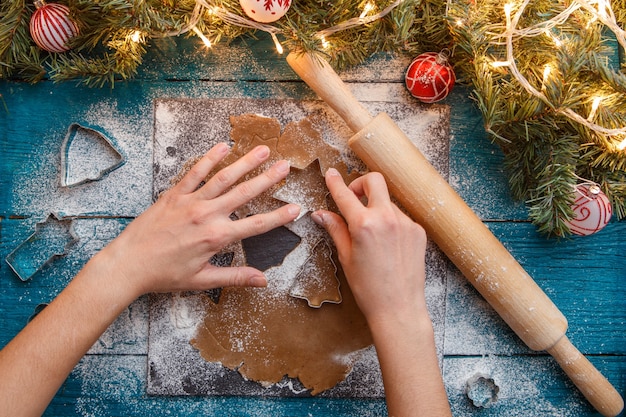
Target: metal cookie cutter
52,238
87,155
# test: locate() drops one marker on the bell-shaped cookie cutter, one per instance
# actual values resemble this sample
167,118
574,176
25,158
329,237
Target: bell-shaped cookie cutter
52,238
99,153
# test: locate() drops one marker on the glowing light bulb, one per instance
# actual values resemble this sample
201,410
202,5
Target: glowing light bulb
554,38
325,43
205,40
622,145
136,36
546,73
594,108
507,10
279,47
366,9
499,64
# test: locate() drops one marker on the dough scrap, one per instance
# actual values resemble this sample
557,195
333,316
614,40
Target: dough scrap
267,334
305,187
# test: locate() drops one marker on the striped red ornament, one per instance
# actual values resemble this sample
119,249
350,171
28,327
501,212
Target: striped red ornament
51,27
592,210
430,77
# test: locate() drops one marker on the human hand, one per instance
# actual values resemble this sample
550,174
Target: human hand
168,247
381,250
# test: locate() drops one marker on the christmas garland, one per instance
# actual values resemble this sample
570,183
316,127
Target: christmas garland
539,71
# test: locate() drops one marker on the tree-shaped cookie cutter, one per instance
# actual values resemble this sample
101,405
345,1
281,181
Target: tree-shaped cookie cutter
52,238
99,156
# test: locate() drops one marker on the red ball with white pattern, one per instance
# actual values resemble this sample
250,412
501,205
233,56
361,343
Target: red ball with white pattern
592,210
430,77
51,27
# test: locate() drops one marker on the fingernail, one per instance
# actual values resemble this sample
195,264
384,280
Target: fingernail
282,166
258,281
333,172
262,151
318,218
293,209
221,148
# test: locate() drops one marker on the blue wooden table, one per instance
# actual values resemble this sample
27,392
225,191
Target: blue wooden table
585,277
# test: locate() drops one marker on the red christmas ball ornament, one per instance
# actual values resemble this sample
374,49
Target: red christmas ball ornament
51,27
592,210
430,77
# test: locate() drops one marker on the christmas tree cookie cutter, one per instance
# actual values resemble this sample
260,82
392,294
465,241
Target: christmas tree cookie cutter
52,238
87,155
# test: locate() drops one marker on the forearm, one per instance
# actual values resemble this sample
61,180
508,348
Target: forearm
411,375
43,354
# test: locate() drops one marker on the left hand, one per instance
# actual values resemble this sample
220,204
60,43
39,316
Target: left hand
168,247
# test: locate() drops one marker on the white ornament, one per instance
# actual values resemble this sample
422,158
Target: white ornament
592,210
265,11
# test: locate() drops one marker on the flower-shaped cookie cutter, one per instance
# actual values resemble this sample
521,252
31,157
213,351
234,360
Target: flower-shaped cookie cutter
52,238
87,155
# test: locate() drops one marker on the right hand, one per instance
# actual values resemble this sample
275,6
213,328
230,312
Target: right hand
381,250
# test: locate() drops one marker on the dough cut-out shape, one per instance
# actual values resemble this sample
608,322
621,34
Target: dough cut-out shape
301,144
269,249
305,187
317,281
52,238
87,155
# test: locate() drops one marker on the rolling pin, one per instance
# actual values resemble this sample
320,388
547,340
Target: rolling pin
458,232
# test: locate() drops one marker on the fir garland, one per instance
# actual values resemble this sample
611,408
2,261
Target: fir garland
549,147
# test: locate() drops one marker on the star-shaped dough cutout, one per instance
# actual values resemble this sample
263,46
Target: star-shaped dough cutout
301,143
305,187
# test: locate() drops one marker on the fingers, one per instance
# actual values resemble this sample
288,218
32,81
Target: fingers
263,222
219,277
346,200
202,168
246,191
229,175
336,228
372,186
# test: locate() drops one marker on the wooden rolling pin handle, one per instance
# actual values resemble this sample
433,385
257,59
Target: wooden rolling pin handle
322,79
593,385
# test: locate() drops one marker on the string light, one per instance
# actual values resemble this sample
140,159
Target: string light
555,39
325,43
206,40
366,9
279,47
546,73
136,36
512,32
622,145
507,10
500,64
594,108
237,20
